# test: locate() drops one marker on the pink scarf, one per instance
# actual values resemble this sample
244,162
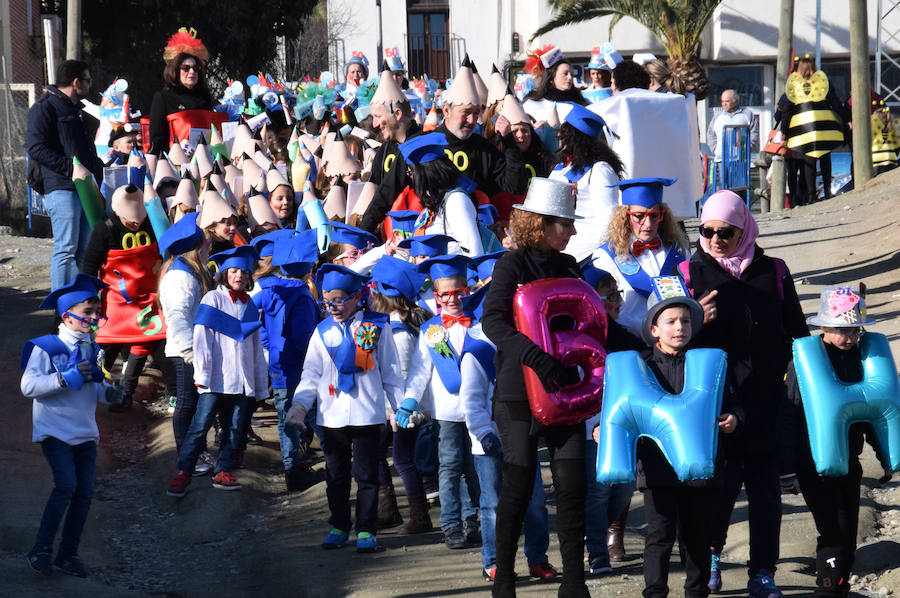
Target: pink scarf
728,207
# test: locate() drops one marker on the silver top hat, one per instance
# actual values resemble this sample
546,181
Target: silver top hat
550,198
840,307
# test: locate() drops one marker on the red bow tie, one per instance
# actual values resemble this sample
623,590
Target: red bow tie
461,319
638,247
235,295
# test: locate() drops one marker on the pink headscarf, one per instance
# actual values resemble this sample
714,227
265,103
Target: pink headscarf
728,207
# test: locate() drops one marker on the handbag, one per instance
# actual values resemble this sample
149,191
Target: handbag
776,144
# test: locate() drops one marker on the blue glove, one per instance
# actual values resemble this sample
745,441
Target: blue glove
407,407
491,445
73,374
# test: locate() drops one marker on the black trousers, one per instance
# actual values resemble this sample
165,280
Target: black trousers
759,475
356,445
519,435
683,512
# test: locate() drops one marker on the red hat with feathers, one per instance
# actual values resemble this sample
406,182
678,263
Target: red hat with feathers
541,59
185,41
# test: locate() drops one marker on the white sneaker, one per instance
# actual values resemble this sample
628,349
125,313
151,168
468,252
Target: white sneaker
205,464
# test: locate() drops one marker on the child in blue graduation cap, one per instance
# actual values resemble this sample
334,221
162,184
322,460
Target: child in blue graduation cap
348,244
442,340
447,196
229,366
289,315
422,248
403,226
396,284
184,280
63,377
351,368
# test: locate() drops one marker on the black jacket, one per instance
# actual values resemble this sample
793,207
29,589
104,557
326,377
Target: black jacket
514,349
106,236
390,181
491,170
794,454
753,326
168,101
56,133
653,471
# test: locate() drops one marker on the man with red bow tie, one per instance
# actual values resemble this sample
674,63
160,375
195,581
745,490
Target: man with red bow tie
435,381
644,242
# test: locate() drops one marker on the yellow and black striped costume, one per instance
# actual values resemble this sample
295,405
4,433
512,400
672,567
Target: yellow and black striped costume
812,126
885,145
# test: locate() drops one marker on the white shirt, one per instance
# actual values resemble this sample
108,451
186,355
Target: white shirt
422,376
59,412
458,218
224,365
365,404
475,395
634,305
179,295
595,203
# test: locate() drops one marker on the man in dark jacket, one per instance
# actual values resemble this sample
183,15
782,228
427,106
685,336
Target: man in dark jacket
56,134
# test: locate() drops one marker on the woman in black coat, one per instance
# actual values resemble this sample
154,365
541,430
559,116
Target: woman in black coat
756,316
542,228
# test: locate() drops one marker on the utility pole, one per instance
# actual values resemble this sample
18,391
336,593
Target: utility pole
785,42
73,30
380,58
859,91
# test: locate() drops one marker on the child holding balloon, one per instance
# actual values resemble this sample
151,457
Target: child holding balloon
832,500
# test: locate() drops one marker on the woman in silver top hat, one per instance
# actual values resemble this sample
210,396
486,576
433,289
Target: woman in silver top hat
542,227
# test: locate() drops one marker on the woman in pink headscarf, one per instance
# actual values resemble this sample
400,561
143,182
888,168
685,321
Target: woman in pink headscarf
755,317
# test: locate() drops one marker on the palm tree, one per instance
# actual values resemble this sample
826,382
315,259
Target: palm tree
677,24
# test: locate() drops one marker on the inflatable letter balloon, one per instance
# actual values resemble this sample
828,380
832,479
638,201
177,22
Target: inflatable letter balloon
564,317
832,405
684,426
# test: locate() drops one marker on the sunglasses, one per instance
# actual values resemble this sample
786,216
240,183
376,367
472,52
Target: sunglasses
655,216
448,295
724,233
615,297
190,67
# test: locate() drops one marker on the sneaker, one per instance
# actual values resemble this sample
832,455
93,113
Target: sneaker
763,586
253,437
70,565
715,575
225,481
335,539
178,485
542,571
489,573
472,531
172,404
365,542
205,464
599,565
454,538
433,497
39,560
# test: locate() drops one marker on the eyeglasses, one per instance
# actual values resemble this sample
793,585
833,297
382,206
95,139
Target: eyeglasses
337,304
614,297
448,295
724,233
94,323
655,216
353,254
190,67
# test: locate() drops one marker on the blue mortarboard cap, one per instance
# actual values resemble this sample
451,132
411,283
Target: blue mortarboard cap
181,236
427,245
397,277
488,214
81,289
645,192
243,257
424,148
404,220
484,264
344,233
331,277
445,266
592,274
296,253
584,120
264,243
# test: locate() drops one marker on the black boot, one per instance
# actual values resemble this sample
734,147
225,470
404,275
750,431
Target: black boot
515,494
831,573
571,488
419,521
388,513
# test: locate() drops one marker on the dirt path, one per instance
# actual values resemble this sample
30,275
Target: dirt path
264,540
